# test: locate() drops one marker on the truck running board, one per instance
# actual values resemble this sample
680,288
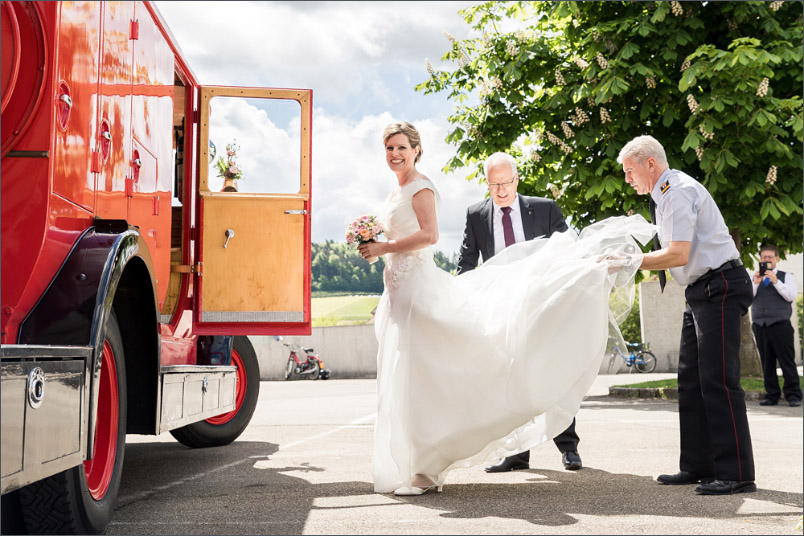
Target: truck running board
192,393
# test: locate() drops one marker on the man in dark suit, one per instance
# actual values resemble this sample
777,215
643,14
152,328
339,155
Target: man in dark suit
495,223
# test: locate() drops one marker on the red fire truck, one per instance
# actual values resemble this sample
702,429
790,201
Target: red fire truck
130,278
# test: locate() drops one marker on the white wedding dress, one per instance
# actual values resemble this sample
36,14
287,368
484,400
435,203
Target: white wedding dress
495,361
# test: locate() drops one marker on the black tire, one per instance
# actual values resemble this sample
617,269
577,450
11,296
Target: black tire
649,361
65,503
289,368
224,429
316,371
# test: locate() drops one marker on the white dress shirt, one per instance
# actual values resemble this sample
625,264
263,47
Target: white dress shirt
516,223
787,290
686,212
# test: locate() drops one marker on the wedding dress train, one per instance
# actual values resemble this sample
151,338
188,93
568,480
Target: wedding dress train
495,361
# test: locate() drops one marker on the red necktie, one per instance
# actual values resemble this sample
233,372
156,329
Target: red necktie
508,229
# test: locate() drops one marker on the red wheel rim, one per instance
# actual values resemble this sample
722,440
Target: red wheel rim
240,392
100,468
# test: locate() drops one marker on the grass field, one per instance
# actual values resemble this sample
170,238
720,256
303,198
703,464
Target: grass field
343,310
747,383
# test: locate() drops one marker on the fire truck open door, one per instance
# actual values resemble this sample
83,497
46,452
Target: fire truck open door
253,271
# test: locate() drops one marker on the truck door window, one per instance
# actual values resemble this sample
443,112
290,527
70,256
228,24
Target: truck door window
257,144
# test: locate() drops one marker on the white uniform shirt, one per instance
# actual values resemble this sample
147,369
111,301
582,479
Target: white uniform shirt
787,290
686,212
516,223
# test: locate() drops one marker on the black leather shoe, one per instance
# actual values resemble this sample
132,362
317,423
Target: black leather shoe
768,402
572,462
512,463
725,487
794,402
683,477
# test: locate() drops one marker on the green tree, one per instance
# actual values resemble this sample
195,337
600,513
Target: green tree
718,83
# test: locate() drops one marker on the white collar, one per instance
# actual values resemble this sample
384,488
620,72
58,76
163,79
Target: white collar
514,206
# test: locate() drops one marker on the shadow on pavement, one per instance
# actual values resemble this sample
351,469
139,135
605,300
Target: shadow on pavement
168,488
555,498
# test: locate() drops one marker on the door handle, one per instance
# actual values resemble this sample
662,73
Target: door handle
229,235
295,212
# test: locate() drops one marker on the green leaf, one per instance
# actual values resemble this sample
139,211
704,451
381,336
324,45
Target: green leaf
687,79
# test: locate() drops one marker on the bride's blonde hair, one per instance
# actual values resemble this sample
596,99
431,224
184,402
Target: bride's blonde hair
403,127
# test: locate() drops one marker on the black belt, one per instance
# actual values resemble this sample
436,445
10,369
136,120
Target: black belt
728,265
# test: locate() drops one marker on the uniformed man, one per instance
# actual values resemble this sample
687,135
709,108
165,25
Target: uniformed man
696,247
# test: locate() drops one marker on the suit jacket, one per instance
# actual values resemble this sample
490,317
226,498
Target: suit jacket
540,218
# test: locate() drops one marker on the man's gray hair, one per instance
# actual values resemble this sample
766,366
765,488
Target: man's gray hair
642,148
498,159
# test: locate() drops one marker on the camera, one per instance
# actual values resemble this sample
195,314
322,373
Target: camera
764,267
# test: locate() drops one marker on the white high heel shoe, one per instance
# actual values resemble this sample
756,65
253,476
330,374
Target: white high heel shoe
415,490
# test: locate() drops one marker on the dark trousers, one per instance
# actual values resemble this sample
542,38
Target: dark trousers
566,441
715,440
775,343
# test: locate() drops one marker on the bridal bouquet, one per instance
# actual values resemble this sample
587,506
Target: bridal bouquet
364,229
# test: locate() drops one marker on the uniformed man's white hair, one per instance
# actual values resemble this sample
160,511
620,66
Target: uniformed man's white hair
498,159
642,148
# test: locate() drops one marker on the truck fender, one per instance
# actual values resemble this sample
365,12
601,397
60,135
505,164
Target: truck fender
77,303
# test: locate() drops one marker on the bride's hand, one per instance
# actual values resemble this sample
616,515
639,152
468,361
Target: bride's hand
372,249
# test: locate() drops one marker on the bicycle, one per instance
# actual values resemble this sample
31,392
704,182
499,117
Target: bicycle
639,357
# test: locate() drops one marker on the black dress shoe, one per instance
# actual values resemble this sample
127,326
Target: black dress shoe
572,462
725,487
683,477
794,402
512,463
768,402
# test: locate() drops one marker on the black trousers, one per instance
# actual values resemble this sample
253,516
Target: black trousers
775,343
715,440
566,441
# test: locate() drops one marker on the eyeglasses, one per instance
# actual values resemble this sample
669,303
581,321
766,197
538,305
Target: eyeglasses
498,185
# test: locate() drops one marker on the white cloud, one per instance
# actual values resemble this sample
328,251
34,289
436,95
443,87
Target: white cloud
361,59
351,177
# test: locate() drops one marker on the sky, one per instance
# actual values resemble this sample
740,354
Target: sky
362,61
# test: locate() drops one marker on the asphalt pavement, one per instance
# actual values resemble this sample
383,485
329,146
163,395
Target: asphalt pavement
303,466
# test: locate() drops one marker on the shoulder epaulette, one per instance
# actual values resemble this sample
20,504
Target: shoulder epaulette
665,186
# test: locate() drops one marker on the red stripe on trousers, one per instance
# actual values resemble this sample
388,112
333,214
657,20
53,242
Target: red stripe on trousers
728,395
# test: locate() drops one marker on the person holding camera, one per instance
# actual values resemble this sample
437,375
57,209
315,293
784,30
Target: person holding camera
774,292
500,220
700,253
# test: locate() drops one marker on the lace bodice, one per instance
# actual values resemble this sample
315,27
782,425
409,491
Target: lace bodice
400,221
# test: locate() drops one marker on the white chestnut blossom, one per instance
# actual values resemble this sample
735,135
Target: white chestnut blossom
603,62
771,179
428,65
775,6
693,104
705,134
567,131
604,115
762,90
555,191
559,78
580,62
449,36
580,117
677,9
699,153
685,65
536,157
511,48
650,82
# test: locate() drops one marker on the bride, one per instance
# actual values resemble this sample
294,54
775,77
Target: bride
498,360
